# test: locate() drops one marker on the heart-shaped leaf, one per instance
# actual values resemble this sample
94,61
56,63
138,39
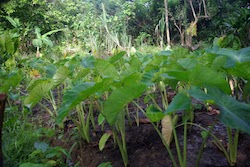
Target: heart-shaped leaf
119,98
80,92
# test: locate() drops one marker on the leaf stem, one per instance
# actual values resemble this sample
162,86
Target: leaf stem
159,133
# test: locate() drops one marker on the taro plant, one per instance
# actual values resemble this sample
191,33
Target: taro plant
42,39
235,64
43,88
183,72
113,111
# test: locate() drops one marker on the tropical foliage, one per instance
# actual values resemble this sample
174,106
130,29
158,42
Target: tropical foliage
76,60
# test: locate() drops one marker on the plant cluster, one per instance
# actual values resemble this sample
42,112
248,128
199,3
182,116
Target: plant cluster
83,88
95,75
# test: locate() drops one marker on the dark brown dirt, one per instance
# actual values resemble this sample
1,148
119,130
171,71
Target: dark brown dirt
145,148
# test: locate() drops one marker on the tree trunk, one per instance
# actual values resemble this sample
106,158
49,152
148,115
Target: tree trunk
167,22
3,98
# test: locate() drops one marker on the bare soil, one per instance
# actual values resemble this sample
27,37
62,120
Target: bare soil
145,148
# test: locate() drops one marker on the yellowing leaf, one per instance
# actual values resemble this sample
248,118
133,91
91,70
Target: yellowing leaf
34,74
167,127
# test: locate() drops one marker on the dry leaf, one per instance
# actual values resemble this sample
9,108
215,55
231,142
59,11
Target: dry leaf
167,128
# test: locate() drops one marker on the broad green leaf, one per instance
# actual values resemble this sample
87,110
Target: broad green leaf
80,92
135,64
187,63
241,70
178,54
200,76
131,79
218,63
234,56
41,146
232,112
204,76
88,62
47,41
116,57
119,98
243,54
81,73
180,102
147,78
105,69
155,63
10,81
178,75
153,114
38,92
37,43
50,70
103,140
61,74
165,53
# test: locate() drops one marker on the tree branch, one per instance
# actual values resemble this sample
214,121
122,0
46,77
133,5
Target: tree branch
205,8
193,11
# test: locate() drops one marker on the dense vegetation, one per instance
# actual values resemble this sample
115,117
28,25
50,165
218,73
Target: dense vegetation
89,61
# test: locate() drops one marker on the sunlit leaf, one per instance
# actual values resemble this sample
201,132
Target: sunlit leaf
47,41
41,88
153,114
105,69
37,43
103,140
187,63
61,74
131,79
105,164
116,57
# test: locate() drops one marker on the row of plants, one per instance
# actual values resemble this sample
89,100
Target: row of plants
83,87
